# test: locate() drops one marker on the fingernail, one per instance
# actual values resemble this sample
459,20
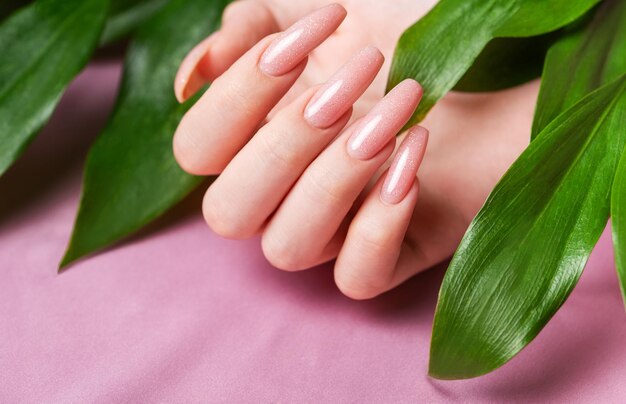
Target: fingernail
335,97
403,170
294,44
190,77
385,120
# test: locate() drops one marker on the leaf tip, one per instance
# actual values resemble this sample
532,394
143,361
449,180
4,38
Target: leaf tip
71,256
65,262
441,371
455,363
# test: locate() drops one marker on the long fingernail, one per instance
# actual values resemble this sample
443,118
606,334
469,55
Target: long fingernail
335,97
294,44
385,120
403,170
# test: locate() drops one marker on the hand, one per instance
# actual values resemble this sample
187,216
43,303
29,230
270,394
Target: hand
296,169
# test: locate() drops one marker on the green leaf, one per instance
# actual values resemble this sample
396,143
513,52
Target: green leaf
126,15
582,61
439,48
506,62
526,248
618,222
43,47
535,17
131,176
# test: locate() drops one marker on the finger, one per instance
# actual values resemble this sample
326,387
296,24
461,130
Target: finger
257,179
244,23
253,184
223,120
313,211
373,248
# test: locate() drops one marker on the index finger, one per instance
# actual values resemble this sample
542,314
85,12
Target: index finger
227,115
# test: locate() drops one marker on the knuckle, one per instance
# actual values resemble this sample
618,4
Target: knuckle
183,153
373,236
278,151
358,289
235,97
188,157
223,222
280,254
323,186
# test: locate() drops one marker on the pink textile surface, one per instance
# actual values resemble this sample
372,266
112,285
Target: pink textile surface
178,314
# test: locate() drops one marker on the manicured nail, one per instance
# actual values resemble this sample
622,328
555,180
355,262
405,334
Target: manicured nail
294,44
403,170
385,120
335,97
189,77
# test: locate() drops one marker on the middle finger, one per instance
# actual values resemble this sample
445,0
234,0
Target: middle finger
252,185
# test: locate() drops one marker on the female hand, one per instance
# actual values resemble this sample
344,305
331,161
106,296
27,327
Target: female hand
296,168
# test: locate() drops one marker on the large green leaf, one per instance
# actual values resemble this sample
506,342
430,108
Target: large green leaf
582,61
126,15
618,222
526,248
131,176
536,17
595,54
439,48
43,47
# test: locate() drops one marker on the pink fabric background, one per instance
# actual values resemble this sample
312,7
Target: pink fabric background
179,314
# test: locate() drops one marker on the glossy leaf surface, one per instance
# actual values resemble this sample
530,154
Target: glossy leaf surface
43,47
126,15
535,17
506,62
439,48
618,222
582,61
131,176
526,248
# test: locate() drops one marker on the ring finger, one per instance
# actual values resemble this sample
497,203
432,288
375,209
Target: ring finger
298,234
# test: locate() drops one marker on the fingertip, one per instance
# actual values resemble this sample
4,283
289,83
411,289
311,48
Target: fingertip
420,135
335,12
411,90
190,76
373,59
244,23
412,84
338,9
374,55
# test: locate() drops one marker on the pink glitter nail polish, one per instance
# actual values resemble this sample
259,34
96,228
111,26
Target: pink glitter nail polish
403,170
335,97
384,120
294,44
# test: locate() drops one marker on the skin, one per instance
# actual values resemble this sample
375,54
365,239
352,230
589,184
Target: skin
473,140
